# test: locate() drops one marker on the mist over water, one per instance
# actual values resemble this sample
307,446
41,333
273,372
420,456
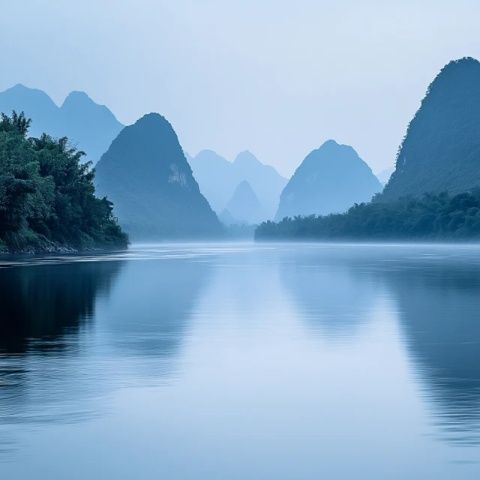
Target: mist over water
240,361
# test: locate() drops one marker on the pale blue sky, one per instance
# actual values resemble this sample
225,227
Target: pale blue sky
271,76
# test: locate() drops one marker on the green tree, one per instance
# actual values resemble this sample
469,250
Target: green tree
47,196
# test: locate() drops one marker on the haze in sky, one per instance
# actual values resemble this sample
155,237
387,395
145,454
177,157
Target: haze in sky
274,77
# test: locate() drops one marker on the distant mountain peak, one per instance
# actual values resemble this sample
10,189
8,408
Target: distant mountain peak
19,86
460,74
147,176
77,102
244,188
458,64
247,157
23,94
244,206
330,143
207,152
332,155
154,118
77,96
331,179
89,126
243,195
218,178
155,122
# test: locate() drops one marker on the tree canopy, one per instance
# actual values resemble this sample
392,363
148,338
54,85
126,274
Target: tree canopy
47,197
431,217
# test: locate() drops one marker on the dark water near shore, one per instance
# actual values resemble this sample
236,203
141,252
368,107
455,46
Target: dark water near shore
242,362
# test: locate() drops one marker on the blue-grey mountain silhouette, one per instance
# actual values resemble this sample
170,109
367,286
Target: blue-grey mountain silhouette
147,177
441,150
330,180
89,127
218,178
244,207
215,176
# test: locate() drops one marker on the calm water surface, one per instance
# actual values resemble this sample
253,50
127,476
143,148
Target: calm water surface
242,362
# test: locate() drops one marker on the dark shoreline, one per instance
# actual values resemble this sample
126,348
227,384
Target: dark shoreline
57,250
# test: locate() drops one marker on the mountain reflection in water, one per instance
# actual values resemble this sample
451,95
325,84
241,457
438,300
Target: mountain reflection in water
437,301
244,361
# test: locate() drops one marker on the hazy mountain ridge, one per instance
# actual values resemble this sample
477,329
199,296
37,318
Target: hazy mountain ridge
218,178
244,207
441,149
434,192
331,179
89,126
146,175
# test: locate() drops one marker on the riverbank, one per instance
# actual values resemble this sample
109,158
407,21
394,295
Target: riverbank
48,247
442,218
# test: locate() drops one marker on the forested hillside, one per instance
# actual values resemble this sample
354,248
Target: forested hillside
146,175
47,200
441,149
431,217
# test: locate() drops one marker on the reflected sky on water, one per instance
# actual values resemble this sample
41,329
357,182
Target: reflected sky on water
242,361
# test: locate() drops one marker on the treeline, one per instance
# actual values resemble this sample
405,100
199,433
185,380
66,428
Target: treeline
431,217
47,199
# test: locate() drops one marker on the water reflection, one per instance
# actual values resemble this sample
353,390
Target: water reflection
435,291
39,305
43,310
150,308
439,308
72,333
241,348
332,301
